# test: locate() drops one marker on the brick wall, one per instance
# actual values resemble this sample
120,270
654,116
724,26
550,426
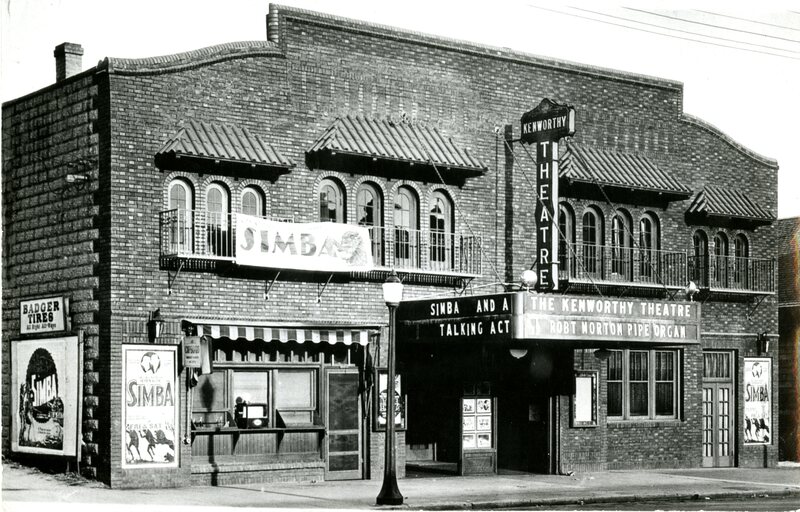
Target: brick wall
51,228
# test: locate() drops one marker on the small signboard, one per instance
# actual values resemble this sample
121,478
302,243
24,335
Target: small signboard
38,316
192,355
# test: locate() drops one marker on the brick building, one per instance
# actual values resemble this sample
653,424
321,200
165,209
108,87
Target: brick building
788,236
157,201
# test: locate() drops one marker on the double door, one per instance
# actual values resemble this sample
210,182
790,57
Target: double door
719,410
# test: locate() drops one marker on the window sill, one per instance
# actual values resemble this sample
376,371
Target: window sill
643,423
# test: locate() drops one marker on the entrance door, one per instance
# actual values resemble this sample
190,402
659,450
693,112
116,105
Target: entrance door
718,409
343,442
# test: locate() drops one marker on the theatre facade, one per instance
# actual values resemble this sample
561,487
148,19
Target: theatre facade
194,247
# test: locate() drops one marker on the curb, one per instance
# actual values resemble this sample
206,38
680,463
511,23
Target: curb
623,498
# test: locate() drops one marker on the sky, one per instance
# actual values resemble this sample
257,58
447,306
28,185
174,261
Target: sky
740,65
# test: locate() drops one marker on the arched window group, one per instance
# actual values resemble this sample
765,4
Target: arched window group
409,245
615,258
207,229
723,266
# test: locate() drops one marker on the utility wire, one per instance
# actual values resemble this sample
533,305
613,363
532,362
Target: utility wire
750,21
667,16
685,31
662,34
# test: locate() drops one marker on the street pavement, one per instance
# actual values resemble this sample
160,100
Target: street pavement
26,490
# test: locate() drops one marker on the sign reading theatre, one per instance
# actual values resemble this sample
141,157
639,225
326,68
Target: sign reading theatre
544,126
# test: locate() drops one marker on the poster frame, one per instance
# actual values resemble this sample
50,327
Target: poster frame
72,407
165,351
747,380
381,382
593,377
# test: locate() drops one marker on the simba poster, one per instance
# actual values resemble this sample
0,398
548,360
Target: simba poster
149,406
44,401
757,400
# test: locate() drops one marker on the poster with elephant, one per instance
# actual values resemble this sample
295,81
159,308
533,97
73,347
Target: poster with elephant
150,398
757,400
45,383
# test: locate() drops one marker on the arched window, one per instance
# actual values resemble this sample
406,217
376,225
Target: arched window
721,265
406,226
649,244
441,232
741,251
252,202
592,242
331,202
369,212
181,204
698,263
566,242
217,220
621,260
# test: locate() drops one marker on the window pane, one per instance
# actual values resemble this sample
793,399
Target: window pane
665,399
295,389
250,203
638,399
615,398
209,394
615,366
252,387
638,366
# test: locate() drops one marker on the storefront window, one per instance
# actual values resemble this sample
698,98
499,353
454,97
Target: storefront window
642,384
294,395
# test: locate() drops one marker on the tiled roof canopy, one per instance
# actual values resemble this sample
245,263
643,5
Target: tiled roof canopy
219,144
727,203
386,140
628,171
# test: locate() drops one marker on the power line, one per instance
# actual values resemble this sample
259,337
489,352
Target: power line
750,21
662,34
685,31
710,25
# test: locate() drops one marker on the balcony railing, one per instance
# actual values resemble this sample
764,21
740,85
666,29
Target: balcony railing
733,273
208,235
623,265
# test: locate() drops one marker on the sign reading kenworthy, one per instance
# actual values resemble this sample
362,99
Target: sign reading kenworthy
43,315
588,318
544,126
326,246
484,317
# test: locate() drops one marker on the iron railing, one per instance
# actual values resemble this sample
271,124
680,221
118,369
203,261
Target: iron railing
628,265
733,273
202,234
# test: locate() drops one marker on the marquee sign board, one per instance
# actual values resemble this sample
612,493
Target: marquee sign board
485,317
544,126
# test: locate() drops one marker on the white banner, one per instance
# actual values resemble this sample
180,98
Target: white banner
757,400
326,246
44,398
149,406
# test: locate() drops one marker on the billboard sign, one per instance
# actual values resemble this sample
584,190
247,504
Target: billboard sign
44,400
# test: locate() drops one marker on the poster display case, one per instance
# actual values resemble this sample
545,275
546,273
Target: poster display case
478,431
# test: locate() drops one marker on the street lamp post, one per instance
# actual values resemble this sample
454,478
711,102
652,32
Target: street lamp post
390,494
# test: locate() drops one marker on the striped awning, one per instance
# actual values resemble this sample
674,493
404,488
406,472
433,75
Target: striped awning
330,336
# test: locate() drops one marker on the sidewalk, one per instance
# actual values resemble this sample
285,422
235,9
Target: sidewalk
23,487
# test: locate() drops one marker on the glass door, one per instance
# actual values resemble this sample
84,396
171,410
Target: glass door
343,442
718,410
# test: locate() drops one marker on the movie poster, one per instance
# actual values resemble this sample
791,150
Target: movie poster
44,401
150,398
757,401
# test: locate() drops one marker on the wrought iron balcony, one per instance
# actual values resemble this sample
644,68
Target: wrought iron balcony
585,263
202,235
733,274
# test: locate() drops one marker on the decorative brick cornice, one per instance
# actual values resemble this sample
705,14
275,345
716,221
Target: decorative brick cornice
191,59
713,130
458,45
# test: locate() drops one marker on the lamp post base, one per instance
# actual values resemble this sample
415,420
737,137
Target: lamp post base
390,494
